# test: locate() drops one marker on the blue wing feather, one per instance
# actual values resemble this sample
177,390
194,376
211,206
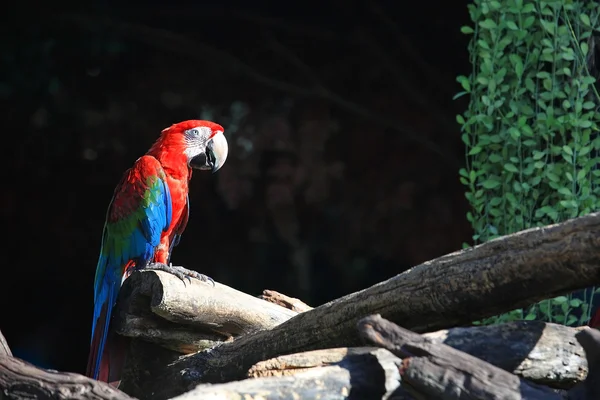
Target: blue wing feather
125,240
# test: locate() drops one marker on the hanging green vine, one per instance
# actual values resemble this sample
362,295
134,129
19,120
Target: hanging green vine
531,129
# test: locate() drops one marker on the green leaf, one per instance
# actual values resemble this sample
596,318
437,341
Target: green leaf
475,150
584,48
559,300
490,184
511,25
566,191
488,24
547,25
464,82
575,302
585,19
510,167
466,29
494,158
495,201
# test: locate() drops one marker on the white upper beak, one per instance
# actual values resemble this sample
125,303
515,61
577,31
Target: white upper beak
219,148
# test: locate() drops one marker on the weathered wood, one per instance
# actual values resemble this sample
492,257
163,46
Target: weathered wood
20,380
590,388
541,352
4,349
291,364
158,307
435,370
452,290
288,302
365,374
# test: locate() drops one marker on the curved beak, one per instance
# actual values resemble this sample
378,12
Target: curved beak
214,155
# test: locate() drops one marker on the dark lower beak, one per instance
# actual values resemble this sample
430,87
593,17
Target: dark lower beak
205,161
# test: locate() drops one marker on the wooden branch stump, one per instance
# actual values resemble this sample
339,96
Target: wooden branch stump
285,301
158,307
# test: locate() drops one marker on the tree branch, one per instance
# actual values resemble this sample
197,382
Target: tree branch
366,373
494,277
435,370
20,380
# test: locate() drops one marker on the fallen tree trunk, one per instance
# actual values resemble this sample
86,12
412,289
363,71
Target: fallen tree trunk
541,352
435,370
20,380
449,291
365,373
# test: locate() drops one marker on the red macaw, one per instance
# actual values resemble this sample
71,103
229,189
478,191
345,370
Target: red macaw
148,213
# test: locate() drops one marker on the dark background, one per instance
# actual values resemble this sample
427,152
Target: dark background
344,151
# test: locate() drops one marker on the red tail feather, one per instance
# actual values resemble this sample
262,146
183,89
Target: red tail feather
113,357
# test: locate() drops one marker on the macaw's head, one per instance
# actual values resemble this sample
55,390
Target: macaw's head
202,142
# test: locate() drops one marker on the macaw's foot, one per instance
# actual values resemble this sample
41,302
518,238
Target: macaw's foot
181,273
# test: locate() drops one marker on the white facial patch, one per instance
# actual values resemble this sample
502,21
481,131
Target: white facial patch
195,140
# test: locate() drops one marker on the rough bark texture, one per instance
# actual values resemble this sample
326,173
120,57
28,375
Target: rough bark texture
291,364
4,349
158,307
21,380
291,303
455,289
541,352
435,370
366,374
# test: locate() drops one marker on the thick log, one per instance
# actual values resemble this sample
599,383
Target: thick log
541,352
20,380
186,317
367,373
494,277
435,370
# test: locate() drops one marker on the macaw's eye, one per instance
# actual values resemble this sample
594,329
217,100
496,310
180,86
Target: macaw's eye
195,132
